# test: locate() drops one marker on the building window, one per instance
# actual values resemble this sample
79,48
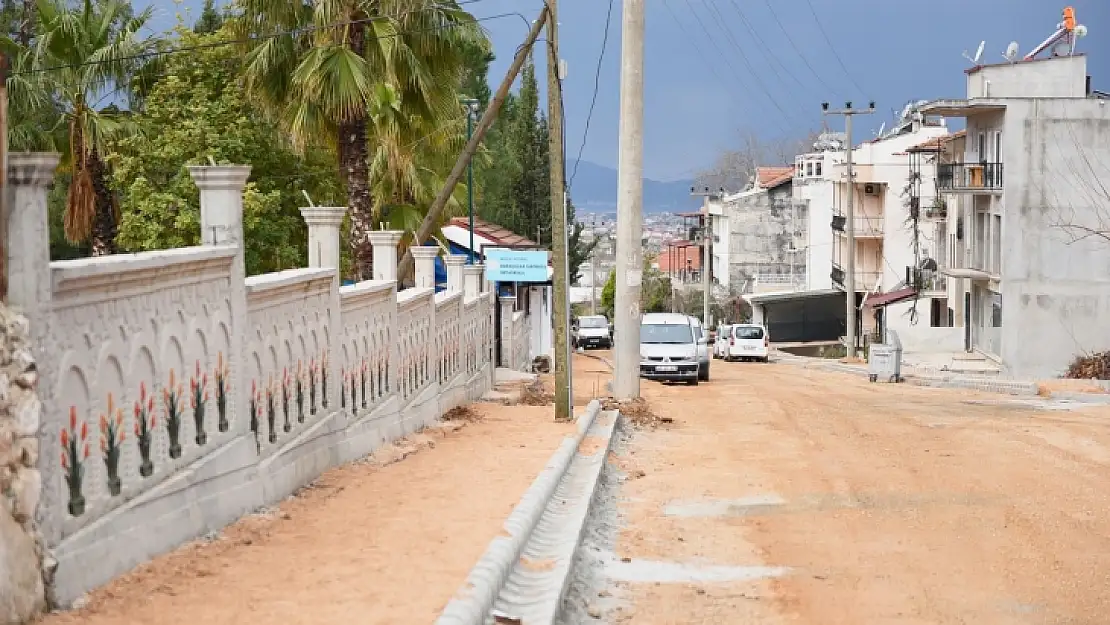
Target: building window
817,168
981,156
996,309
809,169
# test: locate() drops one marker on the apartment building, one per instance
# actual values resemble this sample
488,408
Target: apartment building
758,234
1026,197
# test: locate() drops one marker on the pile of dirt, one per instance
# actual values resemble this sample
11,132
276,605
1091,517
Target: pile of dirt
536,394
465,414
1093,367
638,412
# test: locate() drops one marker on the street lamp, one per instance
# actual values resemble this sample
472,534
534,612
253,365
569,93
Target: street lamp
471,110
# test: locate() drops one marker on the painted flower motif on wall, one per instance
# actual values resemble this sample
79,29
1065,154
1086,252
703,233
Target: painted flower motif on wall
111,443
75,451
198,398
145,421
222,373
171,401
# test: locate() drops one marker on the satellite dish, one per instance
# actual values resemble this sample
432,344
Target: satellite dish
1012,52
928,264
1080,31
978,54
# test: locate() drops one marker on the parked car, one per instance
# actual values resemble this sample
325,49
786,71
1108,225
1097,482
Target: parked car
591,331
668,348
705,348
720,346
749,341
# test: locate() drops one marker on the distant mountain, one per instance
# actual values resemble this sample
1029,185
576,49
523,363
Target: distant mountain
595,190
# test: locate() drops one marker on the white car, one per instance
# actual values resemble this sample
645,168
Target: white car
720,348
668,349
591,331
749,341
705,348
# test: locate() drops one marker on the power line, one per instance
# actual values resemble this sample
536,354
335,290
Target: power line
790,40
763,47
832,47
593,99
731,67
274,35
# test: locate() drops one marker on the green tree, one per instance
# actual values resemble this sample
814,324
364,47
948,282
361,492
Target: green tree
655,291
86,51
210,20
197,113
389,72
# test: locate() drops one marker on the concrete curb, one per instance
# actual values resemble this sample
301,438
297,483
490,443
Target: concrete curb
473,603
535,590
937,380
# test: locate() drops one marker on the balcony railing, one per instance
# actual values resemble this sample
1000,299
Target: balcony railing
970,176
866,226
865,280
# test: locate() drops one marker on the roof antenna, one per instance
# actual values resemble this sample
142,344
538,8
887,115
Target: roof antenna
978,54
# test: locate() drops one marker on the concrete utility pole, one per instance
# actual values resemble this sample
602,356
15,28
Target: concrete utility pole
559,251
850,226
3,177
630,196
706,254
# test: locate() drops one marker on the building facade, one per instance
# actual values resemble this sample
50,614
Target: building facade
1028,214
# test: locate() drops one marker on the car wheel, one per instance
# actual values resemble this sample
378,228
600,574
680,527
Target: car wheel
703,374
693,382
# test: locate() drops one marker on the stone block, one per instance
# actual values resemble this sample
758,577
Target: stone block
22,595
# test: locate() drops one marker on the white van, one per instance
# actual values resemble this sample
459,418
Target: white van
591,331
668,348
749,341
720,348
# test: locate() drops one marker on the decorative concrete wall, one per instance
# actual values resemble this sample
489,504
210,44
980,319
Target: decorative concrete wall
179,395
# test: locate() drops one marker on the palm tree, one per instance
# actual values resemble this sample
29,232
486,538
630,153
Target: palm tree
83,54
364,76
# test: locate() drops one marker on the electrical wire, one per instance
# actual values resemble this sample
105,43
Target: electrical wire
833,48
744,58
763,47
593,99
790,40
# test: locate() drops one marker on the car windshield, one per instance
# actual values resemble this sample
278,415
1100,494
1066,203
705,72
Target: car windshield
748,332
665,334
593,322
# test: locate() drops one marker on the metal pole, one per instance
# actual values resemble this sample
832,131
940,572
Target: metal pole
707,267
850,227
470,181
630,191
559,251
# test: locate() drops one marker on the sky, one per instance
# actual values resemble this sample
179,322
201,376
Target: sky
718,71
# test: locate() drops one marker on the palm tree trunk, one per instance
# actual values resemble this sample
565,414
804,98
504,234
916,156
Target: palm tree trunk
353,161
104,223
27,23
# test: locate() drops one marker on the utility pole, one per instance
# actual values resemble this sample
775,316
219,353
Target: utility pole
630,196
563,401
471,109
706,251
850,226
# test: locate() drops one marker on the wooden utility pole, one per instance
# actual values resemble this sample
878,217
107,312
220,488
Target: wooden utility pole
3,177
559,229
435,211
849,223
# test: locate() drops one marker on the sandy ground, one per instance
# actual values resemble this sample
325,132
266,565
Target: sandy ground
368,544
885,504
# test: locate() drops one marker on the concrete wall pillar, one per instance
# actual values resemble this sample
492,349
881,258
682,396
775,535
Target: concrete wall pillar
425,259
28,244
385,253
324,223
507,360
221,223
455,265
472,280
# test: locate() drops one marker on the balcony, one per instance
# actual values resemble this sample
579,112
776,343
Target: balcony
970,177
865,280
866,226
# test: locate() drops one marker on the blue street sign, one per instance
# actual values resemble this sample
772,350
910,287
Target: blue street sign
504,265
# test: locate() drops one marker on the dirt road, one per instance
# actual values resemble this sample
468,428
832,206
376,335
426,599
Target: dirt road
368,544
785,495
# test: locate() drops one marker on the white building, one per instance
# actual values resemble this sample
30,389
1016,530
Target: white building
1028,214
